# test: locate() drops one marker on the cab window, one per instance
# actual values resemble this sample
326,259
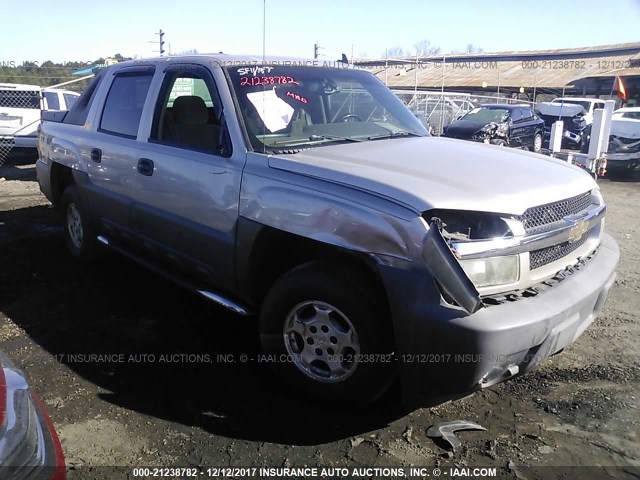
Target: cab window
189,115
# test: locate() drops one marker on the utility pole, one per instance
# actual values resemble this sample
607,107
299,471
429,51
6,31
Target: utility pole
316,48
161,42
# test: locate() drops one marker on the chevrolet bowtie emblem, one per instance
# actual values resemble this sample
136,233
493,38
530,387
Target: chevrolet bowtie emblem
577,231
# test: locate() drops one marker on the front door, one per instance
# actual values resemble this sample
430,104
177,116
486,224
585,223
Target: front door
188,179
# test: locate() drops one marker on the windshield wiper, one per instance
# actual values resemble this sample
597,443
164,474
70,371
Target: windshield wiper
316,138
333,137
398,133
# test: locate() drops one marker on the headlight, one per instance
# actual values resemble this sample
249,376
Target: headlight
470,225
493,271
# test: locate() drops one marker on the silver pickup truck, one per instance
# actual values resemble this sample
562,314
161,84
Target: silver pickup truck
307,194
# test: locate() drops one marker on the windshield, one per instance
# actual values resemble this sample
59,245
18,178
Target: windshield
487,115
294,106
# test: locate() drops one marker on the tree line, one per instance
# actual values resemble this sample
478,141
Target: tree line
423,48
48,73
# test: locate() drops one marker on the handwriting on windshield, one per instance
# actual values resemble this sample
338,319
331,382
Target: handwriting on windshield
297,97
271,80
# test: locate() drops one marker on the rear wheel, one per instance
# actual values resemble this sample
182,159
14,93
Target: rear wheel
537,143
327,334
79,235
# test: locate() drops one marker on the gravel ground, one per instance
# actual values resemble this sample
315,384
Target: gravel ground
161,393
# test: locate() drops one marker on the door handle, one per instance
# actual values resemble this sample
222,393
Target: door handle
145,167
96,155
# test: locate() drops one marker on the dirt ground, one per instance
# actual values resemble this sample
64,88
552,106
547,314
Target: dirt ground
161,394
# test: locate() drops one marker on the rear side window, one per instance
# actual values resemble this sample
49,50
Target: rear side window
124,103
69,99
78,113
53,103
20,99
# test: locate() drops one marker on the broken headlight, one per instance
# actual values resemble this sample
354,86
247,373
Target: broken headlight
460,226
493,271
469,225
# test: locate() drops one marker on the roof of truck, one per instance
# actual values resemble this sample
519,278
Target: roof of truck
226,60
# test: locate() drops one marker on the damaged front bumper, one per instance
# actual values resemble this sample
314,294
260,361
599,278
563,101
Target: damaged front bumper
623,162
453,352
492,133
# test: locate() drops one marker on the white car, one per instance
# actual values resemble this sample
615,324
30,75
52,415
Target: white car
632,113
20,107
56,99
589,105
623,156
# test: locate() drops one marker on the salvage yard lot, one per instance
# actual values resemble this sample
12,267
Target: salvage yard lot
135,371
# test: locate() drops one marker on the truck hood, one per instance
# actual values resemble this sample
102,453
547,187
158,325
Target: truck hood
429,172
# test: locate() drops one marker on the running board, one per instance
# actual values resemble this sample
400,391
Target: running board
214,297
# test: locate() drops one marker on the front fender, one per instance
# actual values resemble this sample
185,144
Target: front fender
332,214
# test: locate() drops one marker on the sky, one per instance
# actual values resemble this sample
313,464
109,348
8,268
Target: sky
83,30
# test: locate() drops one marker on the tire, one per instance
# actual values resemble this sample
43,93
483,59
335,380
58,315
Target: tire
80,237
537,143
499,142
329,332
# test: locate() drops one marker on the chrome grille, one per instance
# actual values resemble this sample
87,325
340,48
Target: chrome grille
544,256
545,217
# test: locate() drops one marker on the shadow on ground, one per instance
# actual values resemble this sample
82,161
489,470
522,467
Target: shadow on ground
19,165
113,307
622,177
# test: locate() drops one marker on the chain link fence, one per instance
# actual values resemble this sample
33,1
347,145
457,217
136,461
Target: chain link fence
437,109
19,117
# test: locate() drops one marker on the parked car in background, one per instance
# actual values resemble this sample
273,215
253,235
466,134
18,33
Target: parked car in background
623,154
510,125
589,105
20,107
29,445
55,99
574,126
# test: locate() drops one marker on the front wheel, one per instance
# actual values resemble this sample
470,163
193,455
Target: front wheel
79,235
327,334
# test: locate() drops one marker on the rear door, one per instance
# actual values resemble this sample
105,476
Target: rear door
529,127
188,178
113,150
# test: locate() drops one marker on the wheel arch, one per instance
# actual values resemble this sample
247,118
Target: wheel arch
265,253
61,177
